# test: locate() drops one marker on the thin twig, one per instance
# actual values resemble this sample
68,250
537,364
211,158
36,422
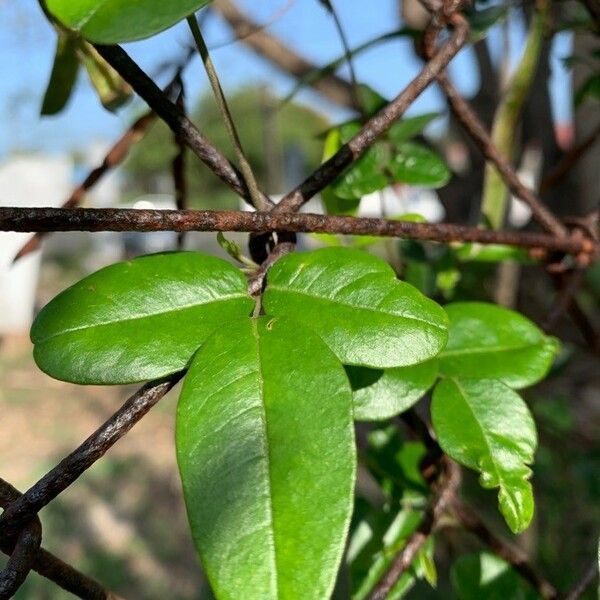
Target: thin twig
127,219
471,521
255,194
444,495
177,122
178,168
94,447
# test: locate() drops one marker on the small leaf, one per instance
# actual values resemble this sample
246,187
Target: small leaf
265,446
486,426
117,21
355,303
491,342
407,128
481,21
371,100
381,394
63,76
364,176
113,91
473,252
485,576
416,164
137,320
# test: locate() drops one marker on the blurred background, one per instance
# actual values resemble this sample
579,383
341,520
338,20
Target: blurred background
124,521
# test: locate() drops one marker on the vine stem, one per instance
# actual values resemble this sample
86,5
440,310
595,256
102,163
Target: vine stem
247,173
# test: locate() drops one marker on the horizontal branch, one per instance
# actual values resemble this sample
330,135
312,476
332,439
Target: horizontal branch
125,219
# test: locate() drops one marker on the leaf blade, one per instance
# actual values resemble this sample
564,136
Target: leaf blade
137,320
254,449
355,303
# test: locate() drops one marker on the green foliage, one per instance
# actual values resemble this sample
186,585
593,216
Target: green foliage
267,465
117,21
491,342
486,426
63,76
265,440
386,322
137,320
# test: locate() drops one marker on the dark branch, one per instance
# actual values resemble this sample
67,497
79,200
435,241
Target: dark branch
123,219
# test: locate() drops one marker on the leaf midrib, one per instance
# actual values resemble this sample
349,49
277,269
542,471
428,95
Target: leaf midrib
356,307
139,317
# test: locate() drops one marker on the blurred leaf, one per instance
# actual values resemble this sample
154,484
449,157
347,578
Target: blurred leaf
485,576
473,252
481,21
117,21
386,322
416,164
63,76
382,394
486,426
111,88
267,467
371,100
407,128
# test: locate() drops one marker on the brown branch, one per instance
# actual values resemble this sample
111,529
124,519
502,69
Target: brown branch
470,121
45,563
94,447
334,88
378,124
517,559
128,219
444,495
176,120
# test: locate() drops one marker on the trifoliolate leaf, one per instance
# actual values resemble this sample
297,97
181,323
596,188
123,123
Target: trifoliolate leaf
485,576
265,445
63,76
491,342
383,393
486,426
355,303
117,21
137,320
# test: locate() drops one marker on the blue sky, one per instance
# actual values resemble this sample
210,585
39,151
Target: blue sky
27,47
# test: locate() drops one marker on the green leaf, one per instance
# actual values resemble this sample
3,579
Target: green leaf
407,128
137,320
117,21
355,303
486,426
381,394
485,576
265,446
370,99
491,342
113,91
481,21
416,164
364,176
63,76
473,252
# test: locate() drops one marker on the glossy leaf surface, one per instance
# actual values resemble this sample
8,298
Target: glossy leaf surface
355,303
265,445
491,342
486,426
117,21
383,393
416,164
137,320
